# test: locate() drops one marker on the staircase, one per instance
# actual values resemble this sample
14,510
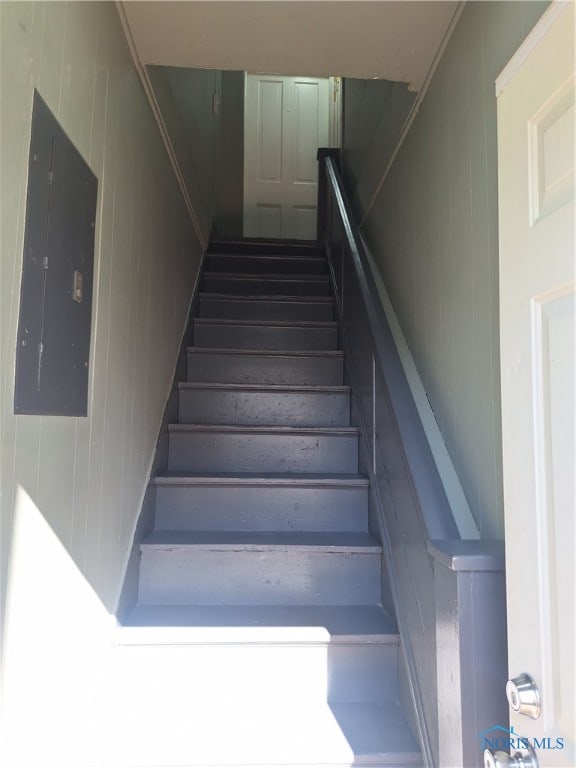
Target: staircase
259,638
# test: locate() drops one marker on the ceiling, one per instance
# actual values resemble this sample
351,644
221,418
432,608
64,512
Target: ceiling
378,39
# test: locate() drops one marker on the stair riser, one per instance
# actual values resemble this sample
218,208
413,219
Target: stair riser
284,508
246,452
244,309
211,577
365,672
253,369
265,286
298,248
262,265
315,673
236,336
294,409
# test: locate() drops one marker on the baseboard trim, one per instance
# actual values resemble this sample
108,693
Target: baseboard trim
127,594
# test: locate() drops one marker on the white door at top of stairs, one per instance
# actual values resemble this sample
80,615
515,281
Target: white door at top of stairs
286,120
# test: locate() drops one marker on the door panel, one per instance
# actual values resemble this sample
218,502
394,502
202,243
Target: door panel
268,218
287,119
537,314
307,110
553,344
269,125
304,222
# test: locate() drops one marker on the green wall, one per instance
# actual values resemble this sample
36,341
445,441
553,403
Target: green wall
230,172
433,230
373,114
72,488
209,145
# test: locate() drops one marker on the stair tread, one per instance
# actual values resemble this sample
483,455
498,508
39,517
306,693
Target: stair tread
267,257
144,731
334,621
266,323
273,297
259,245
305,388
281,278
266,352
258,430
267,479
377,733
251,541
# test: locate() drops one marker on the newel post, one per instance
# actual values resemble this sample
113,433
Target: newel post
471,647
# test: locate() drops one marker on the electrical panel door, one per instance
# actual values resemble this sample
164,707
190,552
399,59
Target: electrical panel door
53,344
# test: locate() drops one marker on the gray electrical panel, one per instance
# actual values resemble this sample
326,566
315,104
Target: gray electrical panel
53,344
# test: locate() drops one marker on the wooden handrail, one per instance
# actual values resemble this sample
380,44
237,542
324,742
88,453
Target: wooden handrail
435,509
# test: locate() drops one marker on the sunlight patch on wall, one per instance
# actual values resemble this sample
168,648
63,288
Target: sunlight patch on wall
57,638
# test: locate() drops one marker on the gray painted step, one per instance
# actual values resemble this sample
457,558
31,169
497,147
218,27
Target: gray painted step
377,734
193,717
279,285
199,448
350,650
267,247
233,503
265,367
260,404
344,623
265,264
262,334
259,569
317,308
280,664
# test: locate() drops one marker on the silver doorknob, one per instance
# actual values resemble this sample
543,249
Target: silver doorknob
523,696
520,758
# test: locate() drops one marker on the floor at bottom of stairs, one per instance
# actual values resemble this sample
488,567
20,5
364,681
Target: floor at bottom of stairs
259,735
154,716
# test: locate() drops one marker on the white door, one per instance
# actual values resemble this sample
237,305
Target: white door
286,120
537,325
